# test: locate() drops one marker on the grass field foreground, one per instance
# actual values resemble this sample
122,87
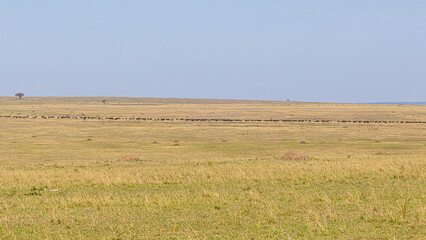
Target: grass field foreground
126,179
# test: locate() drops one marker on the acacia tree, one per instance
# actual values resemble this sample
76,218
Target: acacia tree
20,95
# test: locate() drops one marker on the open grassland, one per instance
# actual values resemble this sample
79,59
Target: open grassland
205,108
71,179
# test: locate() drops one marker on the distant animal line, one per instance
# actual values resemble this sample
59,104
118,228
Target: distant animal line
206,119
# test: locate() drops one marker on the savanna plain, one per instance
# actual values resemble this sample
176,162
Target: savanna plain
147,168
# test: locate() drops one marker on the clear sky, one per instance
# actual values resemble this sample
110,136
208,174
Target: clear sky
334,51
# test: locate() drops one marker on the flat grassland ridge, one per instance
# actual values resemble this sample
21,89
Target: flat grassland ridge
147,168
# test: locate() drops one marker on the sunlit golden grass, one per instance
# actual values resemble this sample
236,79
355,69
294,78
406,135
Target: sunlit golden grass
205,108
66,178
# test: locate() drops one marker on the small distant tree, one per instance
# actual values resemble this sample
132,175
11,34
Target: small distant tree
20,95
104,101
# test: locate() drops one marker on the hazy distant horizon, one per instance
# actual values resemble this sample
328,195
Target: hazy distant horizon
295,100
313,51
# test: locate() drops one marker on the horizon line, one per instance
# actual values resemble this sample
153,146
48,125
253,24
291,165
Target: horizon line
237,99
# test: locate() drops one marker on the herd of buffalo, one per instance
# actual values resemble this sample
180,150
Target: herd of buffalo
203,119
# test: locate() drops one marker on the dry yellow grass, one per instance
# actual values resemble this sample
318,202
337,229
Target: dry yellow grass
63,178
293,155
205,108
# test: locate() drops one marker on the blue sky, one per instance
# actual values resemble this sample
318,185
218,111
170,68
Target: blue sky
333,51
